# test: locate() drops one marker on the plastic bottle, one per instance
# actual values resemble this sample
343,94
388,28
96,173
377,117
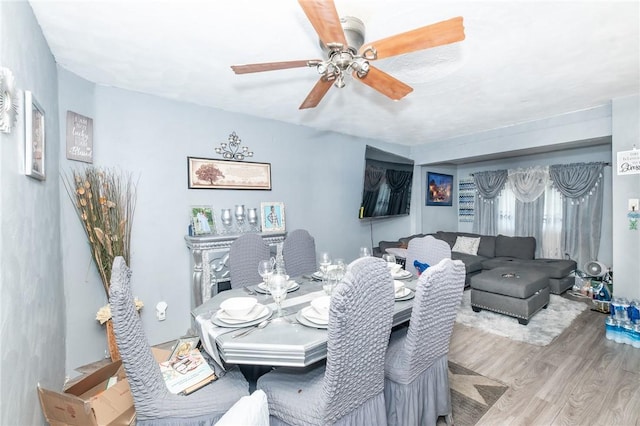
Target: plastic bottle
610,328
628,332
635,341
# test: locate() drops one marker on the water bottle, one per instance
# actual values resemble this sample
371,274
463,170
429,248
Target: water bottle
633,311
627,333
618,335
635,341
610,328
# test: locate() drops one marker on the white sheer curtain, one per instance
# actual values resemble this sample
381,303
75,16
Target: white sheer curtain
529,206
552,224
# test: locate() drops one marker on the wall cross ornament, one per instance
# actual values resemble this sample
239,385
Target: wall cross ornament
232,150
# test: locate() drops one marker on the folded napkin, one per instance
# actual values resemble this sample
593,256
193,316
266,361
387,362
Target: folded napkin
312,315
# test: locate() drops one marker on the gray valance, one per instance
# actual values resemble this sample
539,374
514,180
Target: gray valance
576,180
490,184
373,178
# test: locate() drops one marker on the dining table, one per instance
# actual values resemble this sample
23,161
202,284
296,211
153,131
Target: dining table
287,341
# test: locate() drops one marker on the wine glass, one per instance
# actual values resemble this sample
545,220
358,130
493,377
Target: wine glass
278,286
324,262
341,268
332,280
389,258
265,269
365,252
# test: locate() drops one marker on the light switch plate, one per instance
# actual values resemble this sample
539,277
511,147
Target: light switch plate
633,204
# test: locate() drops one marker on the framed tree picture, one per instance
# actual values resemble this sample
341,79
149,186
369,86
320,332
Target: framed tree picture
207,173
439,189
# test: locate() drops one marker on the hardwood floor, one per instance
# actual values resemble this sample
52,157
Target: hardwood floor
581,378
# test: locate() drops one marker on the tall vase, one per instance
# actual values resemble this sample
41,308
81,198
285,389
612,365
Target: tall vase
111,341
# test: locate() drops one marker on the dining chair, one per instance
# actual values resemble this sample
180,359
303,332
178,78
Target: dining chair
154,404
416,388
245,253
427,250
348,388
299,251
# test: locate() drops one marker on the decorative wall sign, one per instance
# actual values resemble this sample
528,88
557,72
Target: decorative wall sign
466,200
439,189
8,101
34,137
207,173
79,137
629,162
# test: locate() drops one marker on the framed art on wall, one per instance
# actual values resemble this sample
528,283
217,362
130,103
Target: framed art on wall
439,189
202,220
207,173
34,137
79,137
272,214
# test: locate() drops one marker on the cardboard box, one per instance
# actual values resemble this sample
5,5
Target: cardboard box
89,402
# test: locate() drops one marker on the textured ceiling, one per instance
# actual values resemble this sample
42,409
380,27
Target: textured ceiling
520,61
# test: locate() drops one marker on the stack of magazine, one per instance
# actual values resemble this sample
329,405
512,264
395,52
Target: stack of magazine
186,370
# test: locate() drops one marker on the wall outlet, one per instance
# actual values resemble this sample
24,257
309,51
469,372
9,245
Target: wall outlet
161,311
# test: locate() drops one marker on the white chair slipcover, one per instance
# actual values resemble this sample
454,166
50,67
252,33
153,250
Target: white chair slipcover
299,251
348,390
416,367
154,404
427,250
245,253
250,410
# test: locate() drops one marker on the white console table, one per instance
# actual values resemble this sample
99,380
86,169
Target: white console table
209,258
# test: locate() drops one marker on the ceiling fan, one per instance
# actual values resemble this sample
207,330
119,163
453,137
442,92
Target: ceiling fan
343,42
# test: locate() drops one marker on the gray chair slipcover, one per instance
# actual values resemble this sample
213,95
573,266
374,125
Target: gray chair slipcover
426,249
244,255
416,367
348,389
154,404
299,251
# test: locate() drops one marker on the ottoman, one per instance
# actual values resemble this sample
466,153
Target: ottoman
519,293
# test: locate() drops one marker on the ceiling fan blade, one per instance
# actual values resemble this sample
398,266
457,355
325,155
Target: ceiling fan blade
317,93
325,20
441,33
272,66
385,84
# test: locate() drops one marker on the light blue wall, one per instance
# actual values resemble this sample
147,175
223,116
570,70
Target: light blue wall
626,242
318,176
32,305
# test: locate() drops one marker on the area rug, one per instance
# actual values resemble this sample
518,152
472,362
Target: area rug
546,325
472,395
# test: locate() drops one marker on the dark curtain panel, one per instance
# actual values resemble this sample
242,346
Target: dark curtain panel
373,178
399,182
579,184
488,187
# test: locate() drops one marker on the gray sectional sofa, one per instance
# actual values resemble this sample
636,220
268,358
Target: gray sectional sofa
497,252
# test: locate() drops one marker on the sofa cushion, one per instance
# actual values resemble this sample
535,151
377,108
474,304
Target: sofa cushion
518,247
466,245
487,247
471,263
449,237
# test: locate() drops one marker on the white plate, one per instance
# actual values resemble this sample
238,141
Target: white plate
318,274
302,320
293,286
402,275
410,295
312,315
258,312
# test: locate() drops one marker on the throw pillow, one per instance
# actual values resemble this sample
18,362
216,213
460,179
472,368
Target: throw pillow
466,245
